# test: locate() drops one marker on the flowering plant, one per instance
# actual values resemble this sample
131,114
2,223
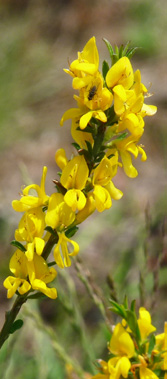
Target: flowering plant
106,127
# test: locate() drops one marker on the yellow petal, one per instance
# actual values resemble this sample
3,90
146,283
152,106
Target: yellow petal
129,169
75,199
60,158
120,73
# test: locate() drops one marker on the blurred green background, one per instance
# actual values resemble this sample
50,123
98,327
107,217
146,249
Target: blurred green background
37,40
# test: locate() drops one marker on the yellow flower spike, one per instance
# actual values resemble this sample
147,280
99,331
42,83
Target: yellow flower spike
75,174
59,214
120,73
121,343
75,199
102,198
62,248
144,323
31,225
27,201
60,158
40,275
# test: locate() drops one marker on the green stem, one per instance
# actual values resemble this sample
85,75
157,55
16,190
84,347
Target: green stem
10,318
49,245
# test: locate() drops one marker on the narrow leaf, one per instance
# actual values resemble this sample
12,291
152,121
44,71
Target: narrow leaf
151,344
18,245
109,47
105,68
131,52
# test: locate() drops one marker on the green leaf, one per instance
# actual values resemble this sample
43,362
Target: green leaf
121,51
109,47
71,231
37,295
133,325
16,326
105,68
131,52
119,309
151,344
77,147
89,146
133,305
125,49
18,245
125,303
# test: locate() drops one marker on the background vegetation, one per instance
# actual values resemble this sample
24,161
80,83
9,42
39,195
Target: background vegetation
123,250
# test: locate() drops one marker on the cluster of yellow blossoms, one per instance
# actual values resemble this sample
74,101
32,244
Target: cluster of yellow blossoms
135,352
106,128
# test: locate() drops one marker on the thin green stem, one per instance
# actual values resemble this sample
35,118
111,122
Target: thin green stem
10,318
53,239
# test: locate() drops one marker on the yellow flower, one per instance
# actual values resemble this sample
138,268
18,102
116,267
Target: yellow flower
144,372
121,343
59,215
74,178
115,368
120,73
62,248
40,274
92,93
144,323
18,266
27,201
104,189
87,62
31,225
84,115
127,147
